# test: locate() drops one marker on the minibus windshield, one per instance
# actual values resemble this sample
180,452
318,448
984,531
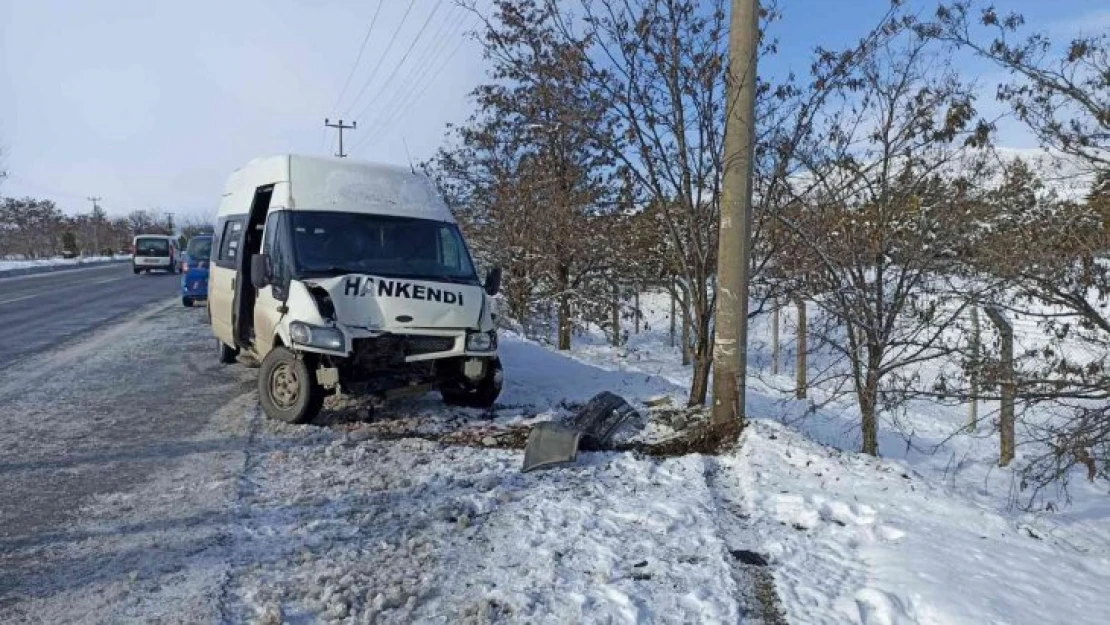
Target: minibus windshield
334,243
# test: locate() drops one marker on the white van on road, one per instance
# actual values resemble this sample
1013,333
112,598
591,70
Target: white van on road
154,251
350,277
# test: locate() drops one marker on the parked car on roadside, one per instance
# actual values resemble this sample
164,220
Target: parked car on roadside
154,251
194,269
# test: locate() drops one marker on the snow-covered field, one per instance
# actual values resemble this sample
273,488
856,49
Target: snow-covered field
7,264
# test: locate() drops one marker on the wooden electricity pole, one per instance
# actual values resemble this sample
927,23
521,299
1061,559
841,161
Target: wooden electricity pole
341,126
730,348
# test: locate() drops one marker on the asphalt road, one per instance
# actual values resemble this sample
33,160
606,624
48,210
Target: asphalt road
90,422
40,311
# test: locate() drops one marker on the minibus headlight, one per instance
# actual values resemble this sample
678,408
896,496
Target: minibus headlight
481,341
316,336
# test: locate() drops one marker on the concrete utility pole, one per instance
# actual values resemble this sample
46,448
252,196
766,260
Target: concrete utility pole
96,215
730,349
341,126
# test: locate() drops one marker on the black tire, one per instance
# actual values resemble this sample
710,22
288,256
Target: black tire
187,302
227,354
136,270
287,388
483,395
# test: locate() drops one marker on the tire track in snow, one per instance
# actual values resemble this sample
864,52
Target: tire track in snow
760,603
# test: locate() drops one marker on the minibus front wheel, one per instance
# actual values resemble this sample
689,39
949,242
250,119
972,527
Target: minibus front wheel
287,388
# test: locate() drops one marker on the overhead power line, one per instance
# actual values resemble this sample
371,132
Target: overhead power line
358,58
421,79
432,79
420,67
374,72
398,113
404,57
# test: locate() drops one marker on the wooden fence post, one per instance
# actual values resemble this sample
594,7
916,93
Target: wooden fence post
774,336
800,384
672,313
1008,386
973,381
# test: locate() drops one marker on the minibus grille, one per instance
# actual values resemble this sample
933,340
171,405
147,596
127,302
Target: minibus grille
390,350
416,345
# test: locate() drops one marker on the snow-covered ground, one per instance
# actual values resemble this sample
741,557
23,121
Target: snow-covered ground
386,522
10,264
927,534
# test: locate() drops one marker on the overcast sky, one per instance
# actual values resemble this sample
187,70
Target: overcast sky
152,103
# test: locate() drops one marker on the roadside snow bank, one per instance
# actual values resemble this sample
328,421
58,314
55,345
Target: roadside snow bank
17,264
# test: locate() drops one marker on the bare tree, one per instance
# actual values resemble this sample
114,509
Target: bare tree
881,210
1062,94
31,228
528,173
660,66
1058,279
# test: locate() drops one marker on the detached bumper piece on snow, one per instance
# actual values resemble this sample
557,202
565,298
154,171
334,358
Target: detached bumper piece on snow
554,444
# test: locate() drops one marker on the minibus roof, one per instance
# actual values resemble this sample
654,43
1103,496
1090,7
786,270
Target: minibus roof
335,184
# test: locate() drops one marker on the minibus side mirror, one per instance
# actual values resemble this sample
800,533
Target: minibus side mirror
493,281
260,271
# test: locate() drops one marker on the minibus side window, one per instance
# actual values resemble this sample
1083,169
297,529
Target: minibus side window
229,242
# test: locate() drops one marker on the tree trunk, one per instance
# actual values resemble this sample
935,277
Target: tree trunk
869,398
774,337
615,314
686,356
703,358
800,384
672,314
636,313
563,284
868,401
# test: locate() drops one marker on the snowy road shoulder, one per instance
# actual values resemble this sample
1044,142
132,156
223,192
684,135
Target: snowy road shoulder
416,531
191,509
